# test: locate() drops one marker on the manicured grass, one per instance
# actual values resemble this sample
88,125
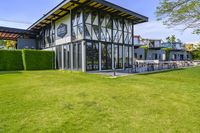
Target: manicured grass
58,101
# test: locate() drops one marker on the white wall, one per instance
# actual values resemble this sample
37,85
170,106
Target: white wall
67,37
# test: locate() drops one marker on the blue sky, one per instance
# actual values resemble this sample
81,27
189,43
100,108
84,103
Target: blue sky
29,11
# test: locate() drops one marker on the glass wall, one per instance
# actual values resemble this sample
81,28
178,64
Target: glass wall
104,27
92,56
106,55
64,56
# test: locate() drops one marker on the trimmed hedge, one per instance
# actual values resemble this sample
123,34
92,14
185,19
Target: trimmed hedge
11,60
38,60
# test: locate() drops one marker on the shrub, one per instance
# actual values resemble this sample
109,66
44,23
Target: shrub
196,55
38,60
11,60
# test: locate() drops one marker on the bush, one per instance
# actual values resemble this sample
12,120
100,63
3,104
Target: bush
196,55
38,60
11,60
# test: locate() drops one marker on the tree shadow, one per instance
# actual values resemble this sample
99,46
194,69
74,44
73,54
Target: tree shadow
9,72
162,71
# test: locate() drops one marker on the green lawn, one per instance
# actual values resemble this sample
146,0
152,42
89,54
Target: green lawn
58,101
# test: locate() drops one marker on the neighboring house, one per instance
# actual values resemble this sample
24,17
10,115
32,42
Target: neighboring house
87,35
153,49
148,49
139,52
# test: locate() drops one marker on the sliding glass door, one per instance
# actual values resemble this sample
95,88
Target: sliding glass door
128,56
92,56
118,56
77,56
106,56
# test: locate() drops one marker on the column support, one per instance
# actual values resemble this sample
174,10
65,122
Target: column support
62,47
83,44
100,49
71,52
113,57
123,54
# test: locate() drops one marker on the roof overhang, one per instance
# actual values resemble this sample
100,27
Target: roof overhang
7,33
66,6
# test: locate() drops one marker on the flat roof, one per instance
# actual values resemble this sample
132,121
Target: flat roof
7,33
65,6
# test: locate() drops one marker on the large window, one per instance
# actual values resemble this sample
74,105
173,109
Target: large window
106,56
106,27
92,56
67,57
118,56
59,57
117,30
47,36
128,35
77,25
77,56
128,56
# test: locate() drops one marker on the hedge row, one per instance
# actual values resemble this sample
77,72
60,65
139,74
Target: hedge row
26,60
11,60
38,60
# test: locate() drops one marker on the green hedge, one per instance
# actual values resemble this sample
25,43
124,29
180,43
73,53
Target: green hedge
38,60
11,60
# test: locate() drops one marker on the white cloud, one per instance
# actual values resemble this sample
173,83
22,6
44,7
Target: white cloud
157,30
14,25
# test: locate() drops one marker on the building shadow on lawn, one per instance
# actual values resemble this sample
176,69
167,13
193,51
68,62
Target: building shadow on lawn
9,72
162,71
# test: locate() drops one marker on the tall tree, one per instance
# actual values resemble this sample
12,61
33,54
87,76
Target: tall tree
2,42
10,44
180,12
172,39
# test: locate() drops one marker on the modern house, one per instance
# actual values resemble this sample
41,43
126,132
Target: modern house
139,52
87,35
154,49
148,49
